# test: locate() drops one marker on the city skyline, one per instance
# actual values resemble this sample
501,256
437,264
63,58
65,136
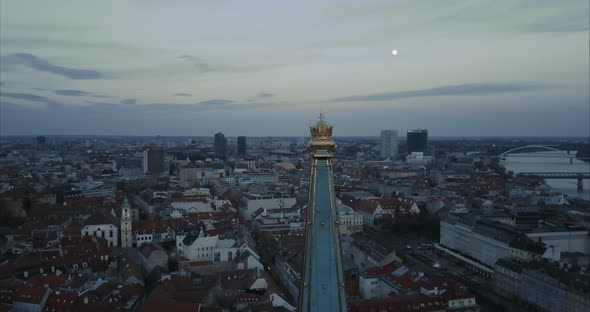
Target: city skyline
253,69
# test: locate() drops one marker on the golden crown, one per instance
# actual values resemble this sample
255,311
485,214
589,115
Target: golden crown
322,129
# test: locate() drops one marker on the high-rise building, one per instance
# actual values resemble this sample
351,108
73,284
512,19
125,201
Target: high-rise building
126,225
417,141
389,143
242,145
41,140
153,161
322,287
220,145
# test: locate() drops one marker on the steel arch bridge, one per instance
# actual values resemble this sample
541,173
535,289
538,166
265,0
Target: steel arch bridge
527,147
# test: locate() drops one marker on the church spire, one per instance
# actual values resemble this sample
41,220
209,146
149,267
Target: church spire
322,287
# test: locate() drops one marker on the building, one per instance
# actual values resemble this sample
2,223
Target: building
544,288
389,143
263,177
195,247
242,145
220,145
101,226
188,175
523,249
199,192
418,159
31,299
507,277
153,161
486,241
350,221
252,202
278,220
288,271
383,281
323,286
373,210
207,175
578,293
417,141
413,303
567,239
126,225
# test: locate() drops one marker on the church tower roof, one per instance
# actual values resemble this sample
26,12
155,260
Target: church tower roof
322,287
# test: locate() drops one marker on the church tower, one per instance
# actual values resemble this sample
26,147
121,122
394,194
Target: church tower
322,287
126,225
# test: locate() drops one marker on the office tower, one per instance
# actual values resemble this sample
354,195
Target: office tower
389,143
126,225
417,141
322,286
242,145
220,145
41,140
153,161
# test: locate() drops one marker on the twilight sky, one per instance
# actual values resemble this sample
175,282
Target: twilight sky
267,68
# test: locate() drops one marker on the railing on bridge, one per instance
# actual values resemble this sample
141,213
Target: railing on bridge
580,176
557,175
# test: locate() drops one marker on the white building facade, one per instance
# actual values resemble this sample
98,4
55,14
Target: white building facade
389,143
107,231
251,202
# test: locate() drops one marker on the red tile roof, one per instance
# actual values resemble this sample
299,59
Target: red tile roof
32,295
406,303
164,298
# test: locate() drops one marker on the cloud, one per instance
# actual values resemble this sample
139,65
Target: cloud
131,105
40,64
9,107
183,94
129,101
27,97
198,63
72,92
204,66
453,90
574,25
263,95
214,102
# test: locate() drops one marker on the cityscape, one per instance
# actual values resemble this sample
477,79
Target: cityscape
192,156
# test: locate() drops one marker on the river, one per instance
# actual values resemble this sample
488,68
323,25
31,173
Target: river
547,162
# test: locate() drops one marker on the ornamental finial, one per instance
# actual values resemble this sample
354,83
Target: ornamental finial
322,129
321,135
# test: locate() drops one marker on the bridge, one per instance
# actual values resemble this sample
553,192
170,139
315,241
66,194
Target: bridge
563,154
580,176
529,147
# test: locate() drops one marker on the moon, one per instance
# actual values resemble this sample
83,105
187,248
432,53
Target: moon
394,52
